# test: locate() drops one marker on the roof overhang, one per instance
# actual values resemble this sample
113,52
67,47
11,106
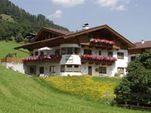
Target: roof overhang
39,44
57,40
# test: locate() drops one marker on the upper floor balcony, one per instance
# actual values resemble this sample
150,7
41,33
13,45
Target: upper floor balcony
100,44
43,58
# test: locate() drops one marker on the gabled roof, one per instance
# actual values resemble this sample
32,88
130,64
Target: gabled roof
52,30
67,35
144,45
58,31
99,28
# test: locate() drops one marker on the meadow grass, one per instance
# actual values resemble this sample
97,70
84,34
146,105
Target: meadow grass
8,47
23,94
92,88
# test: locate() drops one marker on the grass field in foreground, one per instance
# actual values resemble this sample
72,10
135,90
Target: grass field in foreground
22,94
8,47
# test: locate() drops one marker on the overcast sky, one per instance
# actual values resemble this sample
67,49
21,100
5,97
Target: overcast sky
131,18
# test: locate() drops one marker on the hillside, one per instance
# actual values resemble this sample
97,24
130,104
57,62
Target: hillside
92,88
22,94
14,20
8,48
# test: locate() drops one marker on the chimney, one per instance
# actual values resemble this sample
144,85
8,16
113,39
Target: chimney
142,41
86,26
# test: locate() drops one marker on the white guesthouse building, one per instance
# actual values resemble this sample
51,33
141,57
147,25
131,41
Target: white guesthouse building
99,51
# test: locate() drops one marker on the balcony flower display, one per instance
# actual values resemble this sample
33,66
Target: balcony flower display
97,58
101,41
42,57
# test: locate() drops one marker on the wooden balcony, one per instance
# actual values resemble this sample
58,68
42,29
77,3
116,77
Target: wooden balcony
100,44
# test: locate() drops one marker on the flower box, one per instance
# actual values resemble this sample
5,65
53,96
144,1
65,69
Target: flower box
42,57
101,43
97,59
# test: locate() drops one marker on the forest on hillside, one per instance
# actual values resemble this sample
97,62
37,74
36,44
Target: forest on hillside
16,22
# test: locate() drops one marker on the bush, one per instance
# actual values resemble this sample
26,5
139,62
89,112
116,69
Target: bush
135,88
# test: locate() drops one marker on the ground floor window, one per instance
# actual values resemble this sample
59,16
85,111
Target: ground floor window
62,68
31,70
70,68
120,70
41,70
103,70
133,58
52,69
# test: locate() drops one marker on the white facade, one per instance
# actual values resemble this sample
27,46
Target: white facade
19,67
71,64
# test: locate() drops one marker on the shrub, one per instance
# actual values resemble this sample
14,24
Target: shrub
135,88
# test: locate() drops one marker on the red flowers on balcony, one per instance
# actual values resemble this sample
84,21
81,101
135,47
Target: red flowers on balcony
42,57
98,58
101,42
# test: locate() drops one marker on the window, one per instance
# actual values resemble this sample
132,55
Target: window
57,52
120,55
69,50
63,51
41,70
31,70
87,52
102,70
62,68
36,53
100,52
76,66
133,58
110,54
52,69
41,53
76,50
120,70
69,66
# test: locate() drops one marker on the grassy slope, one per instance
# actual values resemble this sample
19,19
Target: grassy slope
8,47
21,94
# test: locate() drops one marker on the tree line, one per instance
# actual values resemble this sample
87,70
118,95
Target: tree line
23,23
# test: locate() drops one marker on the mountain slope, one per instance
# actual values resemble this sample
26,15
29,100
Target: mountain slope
8,48
23,23
22,94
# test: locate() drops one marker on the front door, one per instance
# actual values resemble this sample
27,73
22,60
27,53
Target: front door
90,70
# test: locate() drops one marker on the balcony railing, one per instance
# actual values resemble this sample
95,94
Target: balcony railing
101,43
53,58
97,59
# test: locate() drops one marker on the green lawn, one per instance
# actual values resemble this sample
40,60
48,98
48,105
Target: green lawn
8,47
22,94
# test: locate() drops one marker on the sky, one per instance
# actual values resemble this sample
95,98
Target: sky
131,18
